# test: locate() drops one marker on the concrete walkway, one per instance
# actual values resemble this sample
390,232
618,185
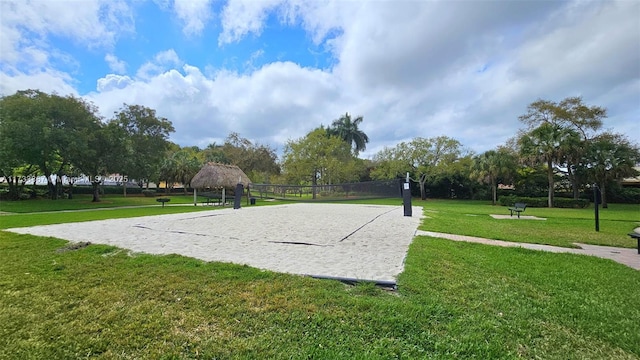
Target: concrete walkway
629,257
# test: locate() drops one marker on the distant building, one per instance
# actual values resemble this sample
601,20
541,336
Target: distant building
632,181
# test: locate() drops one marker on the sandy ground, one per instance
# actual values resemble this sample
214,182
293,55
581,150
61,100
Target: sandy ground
367,242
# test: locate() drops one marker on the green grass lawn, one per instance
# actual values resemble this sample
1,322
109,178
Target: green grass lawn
455,300
562,227
84,202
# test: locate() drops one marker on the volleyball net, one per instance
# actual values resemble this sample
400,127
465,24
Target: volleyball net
335,192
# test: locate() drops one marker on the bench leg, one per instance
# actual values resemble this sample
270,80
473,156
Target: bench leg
518,214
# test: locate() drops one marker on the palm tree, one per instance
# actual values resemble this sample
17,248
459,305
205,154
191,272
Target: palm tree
610,157
492,165
348,130
186,166
545,144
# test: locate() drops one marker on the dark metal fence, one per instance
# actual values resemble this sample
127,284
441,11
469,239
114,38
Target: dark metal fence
333,192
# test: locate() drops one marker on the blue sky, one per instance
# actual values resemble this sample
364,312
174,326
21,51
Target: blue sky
272,70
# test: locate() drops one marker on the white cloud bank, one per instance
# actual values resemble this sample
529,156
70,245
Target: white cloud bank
461,69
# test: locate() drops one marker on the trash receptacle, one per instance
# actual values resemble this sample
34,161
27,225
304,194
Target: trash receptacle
252,201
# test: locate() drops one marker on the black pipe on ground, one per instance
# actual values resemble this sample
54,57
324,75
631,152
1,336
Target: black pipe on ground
392,285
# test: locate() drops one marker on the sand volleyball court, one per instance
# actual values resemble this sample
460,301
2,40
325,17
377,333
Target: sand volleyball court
366,242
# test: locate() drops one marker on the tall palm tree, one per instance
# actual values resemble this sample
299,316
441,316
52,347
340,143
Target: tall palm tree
608,158
348,130
490,166
545,144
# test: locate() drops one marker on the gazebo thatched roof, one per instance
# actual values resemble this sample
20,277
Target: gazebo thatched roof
214,175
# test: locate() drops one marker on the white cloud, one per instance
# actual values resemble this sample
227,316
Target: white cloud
27,56
49,81
204,108
94,23
194,14
461,69
112,82
161,62
242,17
116,65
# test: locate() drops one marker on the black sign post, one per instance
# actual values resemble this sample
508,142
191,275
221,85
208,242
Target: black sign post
596,203
238,196
406,197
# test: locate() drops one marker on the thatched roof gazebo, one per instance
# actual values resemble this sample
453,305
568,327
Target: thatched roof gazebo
218,176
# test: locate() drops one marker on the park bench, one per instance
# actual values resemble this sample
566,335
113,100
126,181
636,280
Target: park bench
517,208
211,198
163,200
635,234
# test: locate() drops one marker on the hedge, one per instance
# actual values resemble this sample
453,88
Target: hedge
558,202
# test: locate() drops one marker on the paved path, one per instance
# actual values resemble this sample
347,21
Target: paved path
629,257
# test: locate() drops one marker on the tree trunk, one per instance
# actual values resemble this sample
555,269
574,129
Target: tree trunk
574,182
423,192
33,187
96,191
314,183
70,196
551,183
53,194
603,195
494,192
13,187
59,187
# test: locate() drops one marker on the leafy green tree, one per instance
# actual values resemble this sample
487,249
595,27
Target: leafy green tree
392,162
103,156
256,160
570,114
493,165
145,141
426,158
610,157
213,153
45,130
318,160
13,166
348,130
432,157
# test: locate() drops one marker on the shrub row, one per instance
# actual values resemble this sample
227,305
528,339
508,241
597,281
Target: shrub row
623,195
543,201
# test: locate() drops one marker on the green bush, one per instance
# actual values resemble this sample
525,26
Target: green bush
624,195
24,196
558,202
149,193
570,203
